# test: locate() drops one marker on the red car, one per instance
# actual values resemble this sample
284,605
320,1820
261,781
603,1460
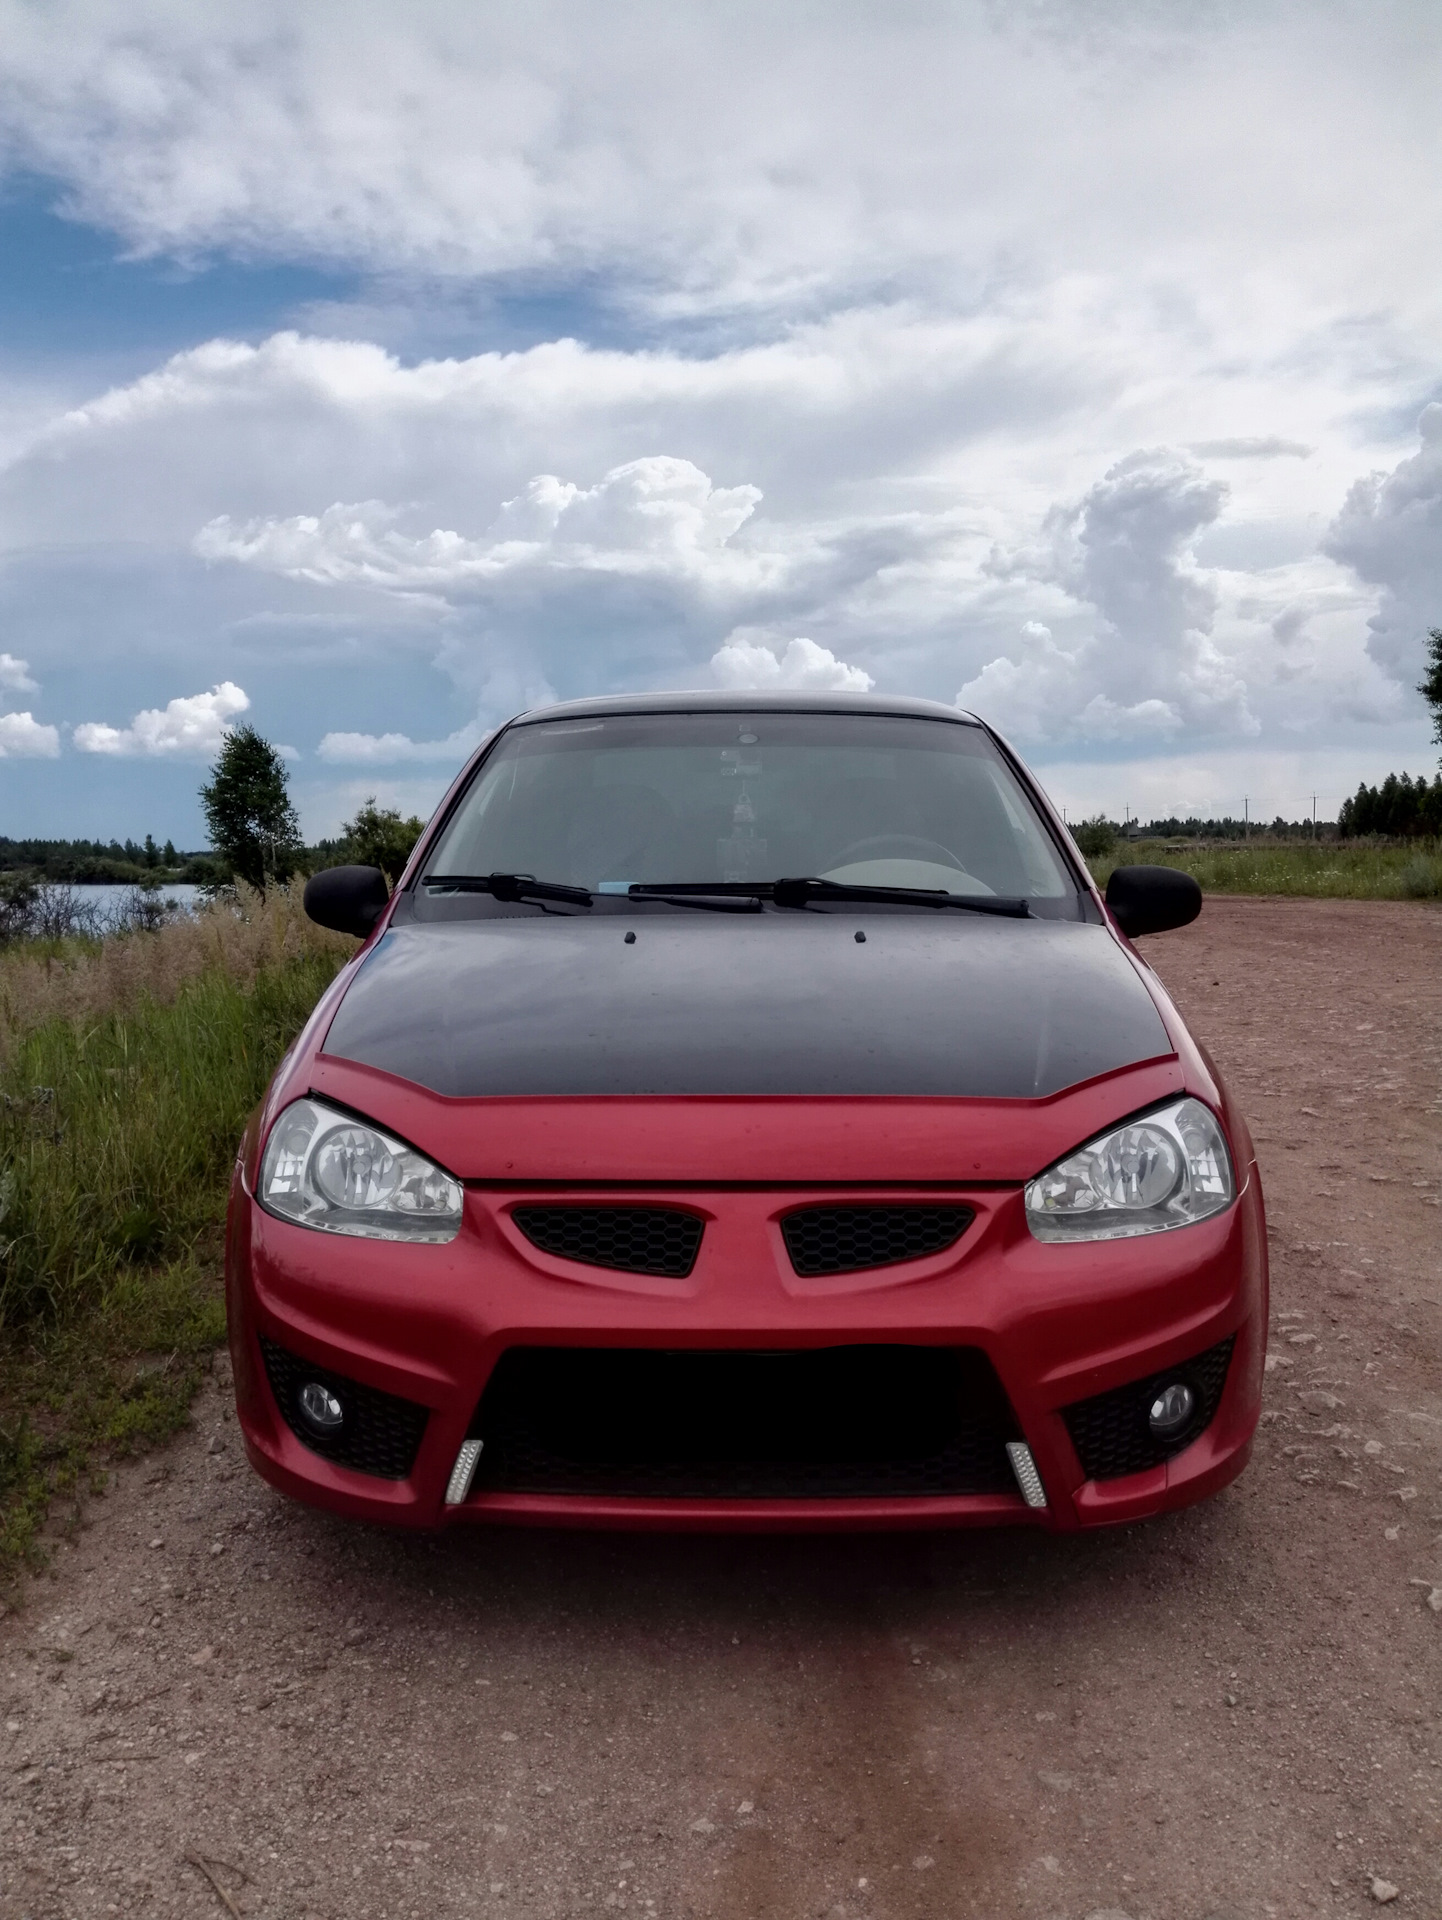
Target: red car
746,1112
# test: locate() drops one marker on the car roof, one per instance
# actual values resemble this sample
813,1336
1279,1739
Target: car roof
708,700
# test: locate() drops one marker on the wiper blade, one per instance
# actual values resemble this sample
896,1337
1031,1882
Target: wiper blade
719,899
509,886
801,892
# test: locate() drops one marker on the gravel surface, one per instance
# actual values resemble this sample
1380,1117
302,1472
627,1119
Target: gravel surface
1230,1712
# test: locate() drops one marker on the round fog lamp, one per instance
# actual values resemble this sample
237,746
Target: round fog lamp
319,1408
1170,1413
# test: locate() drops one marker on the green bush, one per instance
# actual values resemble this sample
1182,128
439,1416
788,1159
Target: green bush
1421,879
380,837
1096,837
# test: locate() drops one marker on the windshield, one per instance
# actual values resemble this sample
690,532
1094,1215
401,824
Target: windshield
866,799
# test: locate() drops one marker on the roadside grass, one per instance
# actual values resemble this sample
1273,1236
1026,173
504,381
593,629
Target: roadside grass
1327,869
126,1075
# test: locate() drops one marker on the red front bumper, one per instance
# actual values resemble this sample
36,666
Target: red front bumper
1058,1324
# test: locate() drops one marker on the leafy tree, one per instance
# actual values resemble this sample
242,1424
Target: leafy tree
248,810
1095,837
1430,688
379,837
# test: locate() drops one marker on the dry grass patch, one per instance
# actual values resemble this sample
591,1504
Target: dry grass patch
88,980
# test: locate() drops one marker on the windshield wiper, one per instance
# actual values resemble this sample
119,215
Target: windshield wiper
801,892
509,886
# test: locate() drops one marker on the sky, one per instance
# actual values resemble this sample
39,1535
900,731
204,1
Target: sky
369,373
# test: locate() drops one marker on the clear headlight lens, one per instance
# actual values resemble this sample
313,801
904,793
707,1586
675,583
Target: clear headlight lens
1165,1170
326,1169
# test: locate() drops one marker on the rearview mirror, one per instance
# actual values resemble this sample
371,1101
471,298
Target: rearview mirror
347,899
1152,899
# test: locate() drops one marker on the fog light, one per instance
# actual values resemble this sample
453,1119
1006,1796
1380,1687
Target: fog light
463,1472
319,1408
1028,1479
1171,1412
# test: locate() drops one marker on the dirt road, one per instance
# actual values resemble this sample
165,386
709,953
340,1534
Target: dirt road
1231,1712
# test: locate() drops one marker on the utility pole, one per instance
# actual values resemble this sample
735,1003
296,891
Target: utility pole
1246,829
1314,816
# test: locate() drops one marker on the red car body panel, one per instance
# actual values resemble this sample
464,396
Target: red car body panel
1058,1322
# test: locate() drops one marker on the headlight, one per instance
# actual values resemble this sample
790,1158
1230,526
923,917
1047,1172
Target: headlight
1165,1170
328,1170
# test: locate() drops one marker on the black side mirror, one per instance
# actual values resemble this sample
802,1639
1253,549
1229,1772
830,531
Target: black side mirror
1152,899
347,899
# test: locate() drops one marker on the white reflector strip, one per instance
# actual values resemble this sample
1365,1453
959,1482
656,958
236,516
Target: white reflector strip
463,1472
1022,1465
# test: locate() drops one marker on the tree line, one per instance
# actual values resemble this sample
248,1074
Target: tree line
1400,808
108,862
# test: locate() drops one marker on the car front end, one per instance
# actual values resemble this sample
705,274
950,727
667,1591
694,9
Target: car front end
860,1215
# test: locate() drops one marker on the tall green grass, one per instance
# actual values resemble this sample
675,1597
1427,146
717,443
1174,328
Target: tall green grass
116,1136
127,1071
1329,870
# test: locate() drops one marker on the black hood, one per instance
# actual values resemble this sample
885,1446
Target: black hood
775,1004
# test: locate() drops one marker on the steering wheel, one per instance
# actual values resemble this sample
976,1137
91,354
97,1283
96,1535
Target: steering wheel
894,846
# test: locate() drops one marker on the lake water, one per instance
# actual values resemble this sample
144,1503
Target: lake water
111,902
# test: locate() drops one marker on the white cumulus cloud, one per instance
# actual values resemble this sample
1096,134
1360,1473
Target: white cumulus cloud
653,515
23,737
742,662
1390,531
1148,666
15,675
192,725
393,749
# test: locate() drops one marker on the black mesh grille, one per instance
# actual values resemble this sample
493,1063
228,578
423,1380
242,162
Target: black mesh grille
1111,1434
380,1433
660,1240
829,1423
846,1239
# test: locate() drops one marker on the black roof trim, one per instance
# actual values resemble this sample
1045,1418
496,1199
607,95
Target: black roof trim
708,700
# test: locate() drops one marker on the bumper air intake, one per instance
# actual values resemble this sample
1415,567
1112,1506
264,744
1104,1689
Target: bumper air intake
837,1422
